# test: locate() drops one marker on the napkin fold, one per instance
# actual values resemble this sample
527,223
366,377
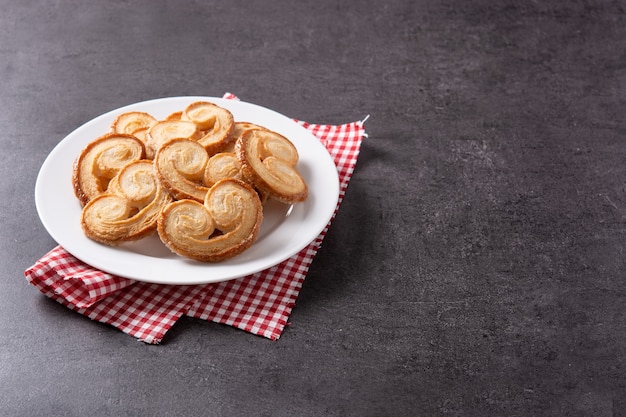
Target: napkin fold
260,303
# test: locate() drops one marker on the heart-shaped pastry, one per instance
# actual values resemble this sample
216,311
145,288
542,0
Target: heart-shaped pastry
225,225
165,130
134,123
180,165
130,208
100,161
268,160
216,124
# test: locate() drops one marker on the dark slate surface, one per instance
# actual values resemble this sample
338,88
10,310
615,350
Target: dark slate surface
476,267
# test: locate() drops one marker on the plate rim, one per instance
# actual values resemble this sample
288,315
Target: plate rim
333,194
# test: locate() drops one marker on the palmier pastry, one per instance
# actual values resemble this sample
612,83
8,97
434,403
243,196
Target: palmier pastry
177,115
180,166
222,165
242,127
224,226
215,122
165,130
142,134
134,123
101,160
239,129
129,210
268,160
226,165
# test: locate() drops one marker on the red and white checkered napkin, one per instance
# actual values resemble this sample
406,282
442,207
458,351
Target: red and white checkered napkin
260,303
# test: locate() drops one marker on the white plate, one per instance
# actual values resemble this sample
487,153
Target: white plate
284,232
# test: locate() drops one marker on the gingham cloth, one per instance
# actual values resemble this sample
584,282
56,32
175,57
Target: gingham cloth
260,303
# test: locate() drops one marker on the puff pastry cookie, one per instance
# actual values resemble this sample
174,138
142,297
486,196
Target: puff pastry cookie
130,208
216,124
197,177
226,224
165,130
180,166
242,127
186,170
100,161
222,165
134,123
268,160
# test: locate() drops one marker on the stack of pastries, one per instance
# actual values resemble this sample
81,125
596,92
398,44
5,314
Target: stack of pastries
198,178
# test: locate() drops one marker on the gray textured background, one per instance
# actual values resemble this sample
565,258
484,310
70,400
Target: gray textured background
476,267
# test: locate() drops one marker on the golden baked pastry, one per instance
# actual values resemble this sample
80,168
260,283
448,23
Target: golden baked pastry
242,127
215,122
222,165
239,129
180,166
134,123
141,134
197,177
101,160
268,160
177,115
165,130
129,210
224,226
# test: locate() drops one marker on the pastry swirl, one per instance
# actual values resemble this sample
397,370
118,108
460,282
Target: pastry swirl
134,123
220,166
166,130
177,115
268,160
100,161
224,226
180,166
242,127
129,210
197,178
215,122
